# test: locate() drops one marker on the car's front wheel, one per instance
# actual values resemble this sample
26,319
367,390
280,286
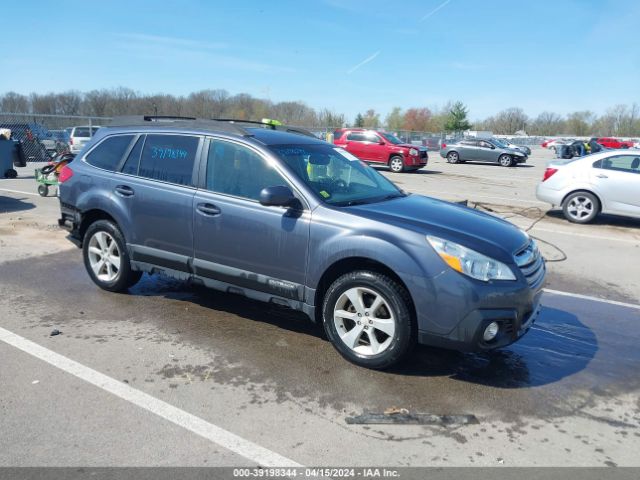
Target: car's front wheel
367,316
396,164
106,258
506,160
580,207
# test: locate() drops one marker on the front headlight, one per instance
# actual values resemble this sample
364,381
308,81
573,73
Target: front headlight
413,152
470,262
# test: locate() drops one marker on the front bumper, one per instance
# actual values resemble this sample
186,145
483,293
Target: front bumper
468,335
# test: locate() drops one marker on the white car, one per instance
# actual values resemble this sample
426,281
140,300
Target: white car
605,182
79,136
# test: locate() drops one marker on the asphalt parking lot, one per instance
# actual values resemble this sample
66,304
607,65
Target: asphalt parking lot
174,375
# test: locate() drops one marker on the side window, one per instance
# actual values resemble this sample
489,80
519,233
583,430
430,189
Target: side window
623,163
131,164
235,170
356,137
169,158
109,152
337,134
469,143
372,137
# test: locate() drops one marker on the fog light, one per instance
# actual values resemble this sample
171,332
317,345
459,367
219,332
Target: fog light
490,332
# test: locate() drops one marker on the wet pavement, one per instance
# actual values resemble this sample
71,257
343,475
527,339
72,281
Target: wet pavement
580,360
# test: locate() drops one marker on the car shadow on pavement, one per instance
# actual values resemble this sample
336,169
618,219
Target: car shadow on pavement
557,346
10,204
602,219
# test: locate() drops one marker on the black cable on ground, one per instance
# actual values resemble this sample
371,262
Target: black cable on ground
522,212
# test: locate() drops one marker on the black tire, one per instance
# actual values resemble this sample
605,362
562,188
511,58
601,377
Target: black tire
571,211
396,164
47,169
453,157
11,173
126,277
399,302
43,190
506,160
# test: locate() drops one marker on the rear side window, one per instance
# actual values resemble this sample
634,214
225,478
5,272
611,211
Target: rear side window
109,152
131,164
337,134
356,137
169,158
82,132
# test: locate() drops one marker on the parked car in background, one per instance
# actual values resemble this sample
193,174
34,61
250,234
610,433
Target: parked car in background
605,182
484,150
61,138
554,143
380,269
381,148
507,143
611,142
79,136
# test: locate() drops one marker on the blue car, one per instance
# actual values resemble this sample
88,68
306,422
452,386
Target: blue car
277,215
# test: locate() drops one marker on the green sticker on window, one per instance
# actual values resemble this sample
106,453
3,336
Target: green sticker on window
324,194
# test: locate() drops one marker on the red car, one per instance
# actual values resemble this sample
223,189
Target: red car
381,148
610,142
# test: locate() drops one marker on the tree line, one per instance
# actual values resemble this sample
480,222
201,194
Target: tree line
620,120
201,104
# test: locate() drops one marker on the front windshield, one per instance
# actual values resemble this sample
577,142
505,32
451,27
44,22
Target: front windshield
499,143
335,176
391,138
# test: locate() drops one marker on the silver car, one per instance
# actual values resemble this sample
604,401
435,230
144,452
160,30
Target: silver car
606,182
482,150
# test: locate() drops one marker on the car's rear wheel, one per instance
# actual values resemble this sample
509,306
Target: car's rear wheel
453,157
106,258
396,164
505,160
368,319
581,207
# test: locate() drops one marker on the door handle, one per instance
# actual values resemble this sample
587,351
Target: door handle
601,175
208,209
124,191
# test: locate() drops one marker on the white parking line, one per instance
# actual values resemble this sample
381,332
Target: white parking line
593,299
18,191
197,425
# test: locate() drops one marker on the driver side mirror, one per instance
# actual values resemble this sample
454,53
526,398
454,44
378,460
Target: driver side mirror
278,196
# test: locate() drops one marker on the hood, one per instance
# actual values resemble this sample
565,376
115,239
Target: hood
480,231
408,145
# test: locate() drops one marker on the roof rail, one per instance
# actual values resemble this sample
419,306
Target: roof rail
284,128
175,121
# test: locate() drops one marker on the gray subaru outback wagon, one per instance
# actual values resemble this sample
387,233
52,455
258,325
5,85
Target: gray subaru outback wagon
279,216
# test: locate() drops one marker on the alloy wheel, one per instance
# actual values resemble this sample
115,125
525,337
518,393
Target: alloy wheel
364,321
104,256
580,207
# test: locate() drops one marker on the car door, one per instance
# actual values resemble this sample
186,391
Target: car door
237,240
156,185
467,149
355,144
375,149
617,182
486,152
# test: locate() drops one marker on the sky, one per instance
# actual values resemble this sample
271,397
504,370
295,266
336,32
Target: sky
346,55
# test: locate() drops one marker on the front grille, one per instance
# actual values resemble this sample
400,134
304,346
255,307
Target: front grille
531,264
423,154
